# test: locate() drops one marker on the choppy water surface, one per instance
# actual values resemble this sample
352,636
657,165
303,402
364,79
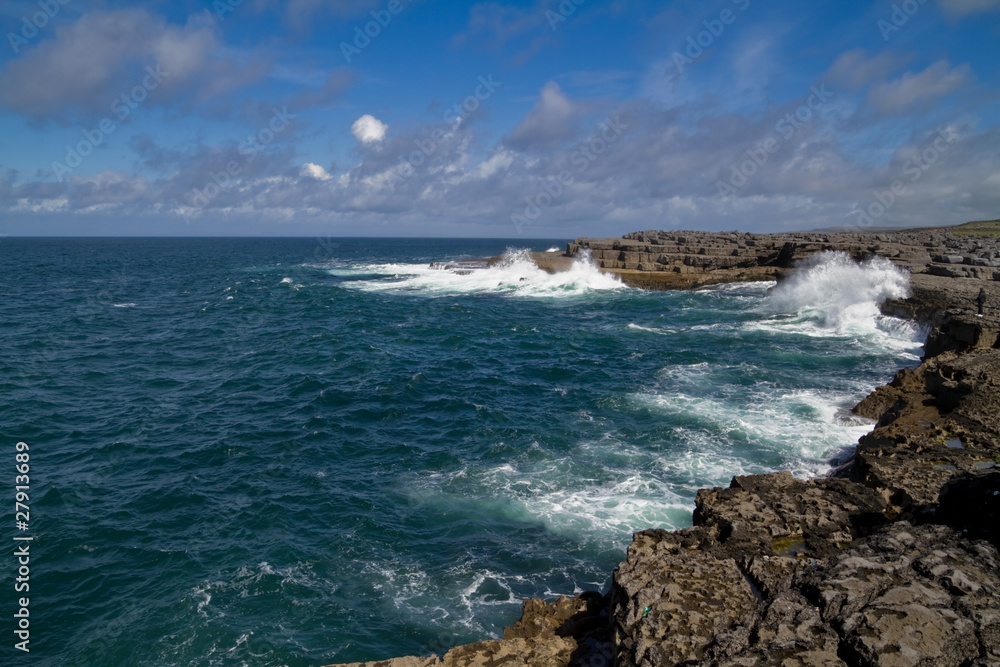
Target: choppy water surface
291,452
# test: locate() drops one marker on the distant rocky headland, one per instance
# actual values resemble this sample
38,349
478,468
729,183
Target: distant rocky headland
892,560
679,260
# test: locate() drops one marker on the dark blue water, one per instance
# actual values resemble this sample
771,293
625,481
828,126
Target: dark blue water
298,452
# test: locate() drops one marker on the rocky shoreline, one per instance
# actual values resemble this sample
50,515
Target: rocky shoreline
891,560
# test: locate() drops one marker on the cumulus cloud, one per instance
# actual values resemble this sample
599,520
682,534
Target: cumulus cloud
553,119
315,172
82,68
935,82
369,130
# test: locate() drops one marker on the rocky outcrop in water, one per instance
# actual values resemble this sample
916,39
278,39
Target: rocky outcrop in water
566,631
893,561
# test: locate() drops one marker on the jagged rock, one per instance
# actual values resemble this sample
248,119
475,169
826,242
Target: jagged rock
900,595
893,601
544,652
670,602
883,404
778,515
940,419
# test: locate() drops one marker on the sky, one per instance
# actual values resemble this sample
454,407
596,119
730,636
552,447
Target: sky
535,119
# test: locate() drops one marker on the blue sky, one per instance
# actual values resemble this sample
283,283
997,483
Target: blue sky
495,119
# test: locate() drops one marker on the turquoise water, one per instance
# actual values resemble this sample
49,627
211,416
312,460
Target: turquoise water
298,452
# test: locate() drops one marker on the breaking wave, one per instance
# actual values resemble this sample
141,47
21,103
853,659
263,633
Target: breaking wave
515,274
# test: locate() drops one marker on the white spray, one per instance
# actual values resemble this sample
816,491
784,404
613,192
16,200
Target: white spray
838,292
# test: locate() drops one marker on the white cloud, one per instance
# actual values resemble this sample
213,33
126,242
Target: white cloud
553,118
934,82
105,54
82,67
369,129
310,170
183,51
498,162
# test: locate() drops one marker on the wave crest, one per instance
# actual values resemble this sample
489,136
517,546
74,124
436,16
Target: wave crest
516,273
838,292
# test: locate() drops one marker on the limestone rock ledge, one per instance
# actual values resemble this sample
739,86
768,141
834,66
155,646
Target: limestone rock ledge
774,575
685,259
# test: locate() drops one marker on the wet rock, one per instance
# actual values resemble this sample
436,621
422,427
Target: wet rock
670,603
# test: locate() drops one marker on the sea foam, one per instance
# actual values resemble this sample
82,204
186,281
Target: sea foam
515,274
834,290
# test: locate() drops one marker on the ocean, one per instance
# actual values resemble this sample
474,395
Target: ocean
300,451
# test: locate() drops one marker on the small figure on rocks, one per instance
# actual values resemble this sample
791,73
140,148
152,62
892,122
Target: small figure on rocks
981,300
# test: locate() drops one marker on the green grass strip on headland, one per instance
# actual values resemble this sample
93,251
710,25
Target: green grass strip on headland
981,228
